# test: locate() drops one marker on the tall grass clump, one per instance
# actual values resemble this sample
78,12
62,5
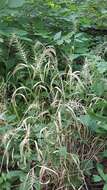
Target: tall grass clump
45,143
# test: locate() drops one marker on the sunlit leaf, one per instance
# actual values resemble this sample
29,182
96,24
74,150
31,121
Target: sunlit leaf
57,36
97,178
105,187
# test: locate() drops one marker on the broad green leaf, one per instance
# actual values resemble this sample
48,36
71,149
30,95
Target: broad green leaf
63,152
10,30
88,121
37,185
25,39
105,178
104,154
104,126
97,117
98,87
10,118
60,42
87,166
1,180
1,40
3,3
15,173
102,67
15,3
105,187
100,171
57,36
42,33
97,178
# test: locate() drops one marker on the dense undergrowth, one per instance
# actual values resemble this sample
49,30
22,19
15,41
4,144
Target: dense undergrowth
53,96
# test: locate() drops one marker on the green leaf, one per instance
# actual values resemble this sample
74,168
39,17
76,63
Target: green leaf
105,187
37,185
98,88
104,154
10,118
3,3
15,173
102,67
88,121
63,152
8,31
100,171
60,42
97,178
57,36
97,116
87,166
1,180
104,126
15,3
105,178
1,40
